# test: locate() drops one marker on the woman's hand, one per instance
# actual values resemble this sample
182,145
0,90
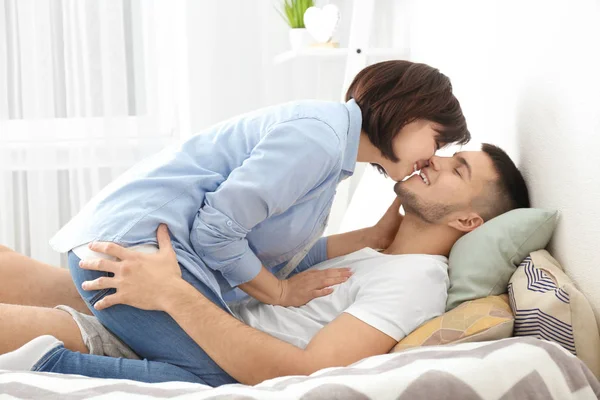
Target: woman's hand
141,280
387,227
305,286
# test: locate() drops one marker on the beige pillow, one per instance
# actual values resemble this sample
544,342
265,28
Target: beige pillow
547,305
480,320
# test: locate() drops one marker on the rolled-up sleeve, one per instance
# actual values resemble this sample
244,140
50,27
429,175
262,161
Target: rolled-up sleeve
292,159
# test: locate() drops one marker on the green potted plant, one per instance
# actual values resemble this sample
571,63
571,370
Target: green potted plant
292,12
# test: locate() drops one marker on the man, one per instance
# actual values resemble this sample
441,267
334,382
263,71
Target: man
390,293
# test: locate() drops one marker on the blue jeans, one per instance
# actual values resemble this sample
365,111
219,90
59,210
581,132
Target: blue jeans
169,353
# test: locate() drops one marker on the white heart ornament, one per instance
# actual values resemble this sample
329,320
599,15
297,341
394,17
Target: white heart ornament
322,23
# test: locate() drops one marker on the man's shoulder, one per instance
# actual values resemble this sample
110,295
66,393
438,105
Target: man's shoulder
398,293
409,269
407,262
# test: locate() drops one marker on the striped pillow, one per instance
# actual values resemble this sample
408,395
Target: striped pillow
547,305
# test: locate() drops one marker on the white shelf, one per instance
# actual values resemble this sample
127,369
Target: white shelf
338,52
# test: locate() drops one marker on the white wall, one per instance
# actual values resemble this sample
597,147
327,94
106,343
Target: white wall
528,76
232,44
558,132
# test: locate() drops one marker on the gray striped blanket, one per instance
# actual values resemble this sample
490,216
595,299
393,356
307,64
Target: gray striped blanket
515,368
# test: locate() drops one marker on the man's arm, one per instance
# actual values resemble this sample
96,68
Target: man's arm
252,356
153,282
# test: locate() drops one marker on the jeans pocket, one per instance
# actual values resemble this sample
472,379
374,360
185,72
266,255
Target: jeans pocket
99,295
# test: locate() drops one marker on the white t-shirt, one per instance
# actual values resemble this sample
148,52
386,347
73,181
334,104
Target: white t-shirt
392,293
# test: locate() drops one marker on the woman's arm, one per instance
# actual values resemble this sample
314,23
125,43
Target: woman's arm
303,287
379,236
291,160
349,242
297,290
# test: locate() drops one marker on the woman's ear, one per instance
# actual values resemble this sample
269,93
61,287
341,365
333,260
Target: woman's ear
466,222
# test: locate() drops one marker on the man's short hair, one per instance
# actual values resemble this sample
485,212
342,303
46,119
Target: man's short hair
392,94
507,192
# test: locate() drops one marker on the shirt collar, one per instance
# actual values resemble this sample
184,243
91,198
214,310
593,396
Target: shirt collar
354,129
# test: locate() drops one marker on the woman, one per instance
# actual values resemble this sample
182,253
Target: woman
247,201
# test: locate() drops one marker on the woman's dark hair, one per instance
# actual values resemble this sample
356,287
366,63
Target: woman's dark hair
392,94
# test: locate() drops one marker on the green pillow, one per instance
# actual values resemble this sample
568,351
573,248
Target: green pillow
482,262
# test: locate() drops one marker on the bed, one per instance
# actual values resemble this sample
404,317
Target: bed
514,368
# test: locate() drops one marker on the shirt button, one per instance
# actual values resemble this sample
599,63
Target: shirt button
229,223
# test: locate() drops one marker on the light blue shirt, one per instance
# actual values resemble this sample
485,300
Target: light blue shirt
256,189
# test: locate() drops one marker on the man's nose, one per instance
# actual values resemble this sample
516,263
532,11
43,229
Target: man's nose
422,164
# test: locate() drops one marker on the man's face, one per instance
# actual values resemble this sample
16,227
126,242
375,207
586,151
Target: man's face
447,185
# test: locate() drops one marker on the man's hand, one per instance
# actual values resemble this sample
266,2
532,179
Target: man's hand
141,280
386,229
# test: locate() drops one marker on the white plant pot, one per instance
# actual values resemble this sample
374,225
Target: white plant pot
300,38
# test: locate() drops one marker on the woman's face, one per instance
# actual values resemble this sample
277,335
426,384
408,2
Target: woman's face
415,144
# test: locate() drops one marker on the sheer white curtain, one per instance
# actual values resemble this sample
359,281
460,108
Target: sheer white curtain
87,88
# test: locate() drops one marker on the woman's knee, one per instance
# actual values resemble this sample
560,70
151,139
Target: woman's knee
4,249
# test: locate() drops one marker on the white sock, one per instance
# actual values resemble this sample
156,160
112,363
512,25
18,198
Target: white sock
25,357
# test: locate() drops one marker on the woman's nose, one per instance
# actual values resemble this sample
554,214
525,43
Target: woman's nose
434,162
